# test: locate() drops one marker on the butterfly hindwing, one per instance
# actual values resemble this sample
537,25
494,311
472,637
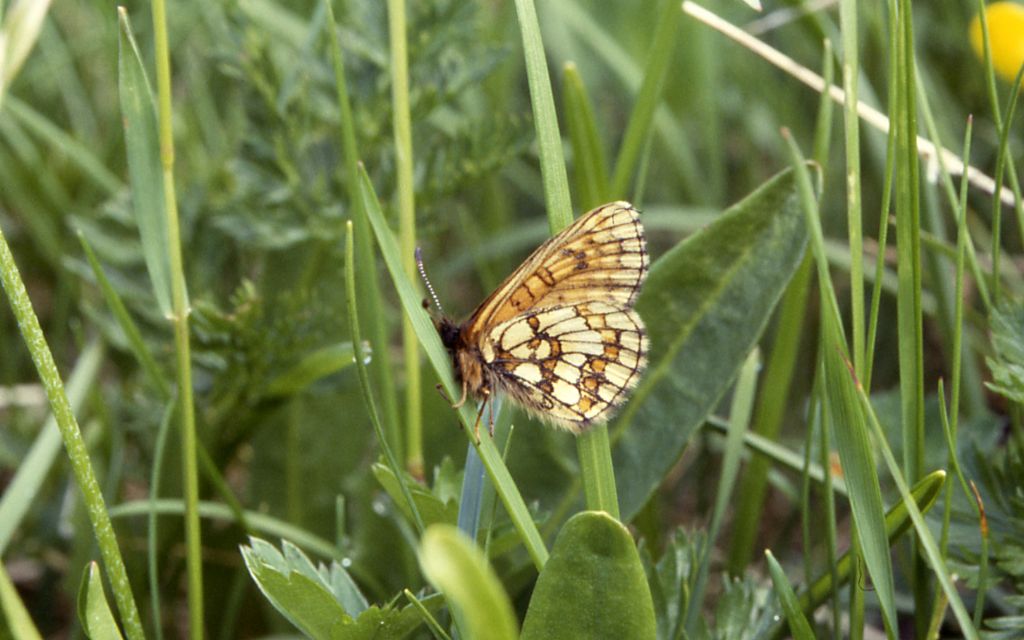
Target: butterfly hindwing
569,364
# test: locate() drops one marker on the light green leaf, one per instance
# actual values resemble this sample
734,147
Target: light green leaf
304,599
18,34
93,611
138,114
593,586
459,570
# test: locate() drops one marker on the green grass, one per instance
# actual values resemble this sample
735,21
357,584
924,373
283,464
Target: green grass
207,217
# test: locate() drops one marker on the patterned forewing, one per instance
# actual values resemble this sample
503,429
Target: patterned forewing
571,364
602,255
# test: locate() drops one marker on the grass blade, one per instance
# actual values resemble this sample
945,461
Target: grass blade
639,128
549,140
78,455
848,423
364,376
431,343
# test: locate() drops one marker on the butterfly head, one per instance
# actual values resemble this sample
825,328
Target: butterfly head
450,333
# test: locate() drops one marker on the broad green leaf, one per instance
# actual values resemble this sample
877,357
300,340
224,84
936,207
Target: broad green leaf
459,570
705,304
93,611
138,115
593,586
322,602
432,508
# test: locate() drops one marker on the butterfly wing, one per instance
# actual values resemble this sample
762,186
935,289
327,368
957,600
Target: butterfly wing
602,255
560,335
570,364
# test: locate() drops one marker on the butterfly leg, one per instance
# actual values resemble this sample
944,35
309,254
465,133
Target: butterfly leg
462,400
479,414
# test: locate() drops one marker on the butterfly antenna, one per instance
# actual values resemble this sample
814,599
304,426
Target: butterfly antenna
426,281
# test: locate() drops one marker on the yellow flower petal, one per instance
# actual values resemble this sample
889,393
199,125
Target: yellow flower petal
1006,37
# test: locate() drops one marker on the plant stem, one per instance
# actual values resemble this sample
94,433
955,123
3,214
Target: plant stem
179,318
406,227
78,455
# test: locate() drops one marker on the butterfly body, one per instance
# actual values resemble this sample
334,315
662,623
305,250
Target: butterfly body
560,336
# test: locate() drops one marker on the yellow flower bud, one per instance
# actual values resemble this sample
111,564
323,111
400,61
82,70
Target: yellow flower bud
1006,37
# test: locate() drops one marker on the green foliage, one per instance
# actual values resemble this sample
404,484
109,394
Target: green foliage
652,106
1007,326
742,609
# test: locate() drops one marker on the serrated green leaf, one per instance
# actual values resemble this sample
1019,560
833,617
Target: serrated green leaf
138,114
459,570
593,586
705,304
322,602
325,602
93,610
304,601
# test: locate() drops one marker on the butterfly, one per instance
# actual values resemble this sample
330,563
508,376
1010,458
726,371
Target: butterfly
560,336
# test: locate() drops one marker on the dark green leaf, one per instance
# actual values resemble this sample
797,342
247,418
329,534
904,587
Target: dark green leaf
593,586
705,304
